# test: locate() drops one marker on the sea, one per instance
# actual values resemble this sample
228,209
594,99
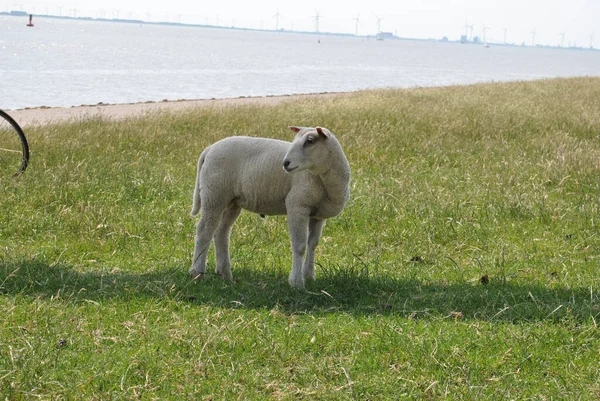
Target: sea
71,62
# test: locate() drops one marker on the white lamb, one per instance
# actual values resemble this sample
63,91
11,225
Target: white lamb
307,179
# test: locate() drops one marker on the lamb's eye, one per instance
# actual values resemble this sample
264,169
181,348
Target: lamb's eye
309,140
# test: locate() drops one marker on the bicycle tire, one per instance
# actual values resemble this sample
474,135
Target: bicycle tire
24,144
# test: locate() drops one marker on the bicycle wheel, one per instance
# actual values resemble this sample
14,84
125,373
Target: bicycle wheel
14,150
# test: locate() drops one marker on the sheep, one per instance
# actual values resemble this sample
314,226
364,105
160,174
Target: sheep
307,180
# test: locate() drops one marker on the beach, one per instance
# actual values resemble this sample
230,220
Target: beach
50,115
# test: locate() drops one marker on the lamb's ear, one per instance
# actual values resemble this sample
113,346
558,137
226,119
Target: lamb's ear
295,129
323,132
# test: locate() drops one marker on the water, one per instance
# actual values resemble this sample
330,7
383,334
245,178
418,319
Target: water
70,63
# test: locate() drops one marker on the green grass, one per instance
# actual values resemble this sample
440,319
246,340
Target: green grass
448,185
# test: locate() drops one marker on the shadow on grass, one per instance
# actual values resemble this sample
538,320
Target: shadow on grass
334,291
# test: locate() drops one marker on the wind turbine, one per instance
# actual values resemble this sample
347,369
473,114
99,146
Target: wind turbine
276,16
562,39
533,37
378,36
356,19
592,40
379,19
505,35
468,27
485,28
316,17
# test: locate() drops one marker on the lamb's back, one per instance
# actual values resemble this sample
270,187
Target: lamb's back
248,171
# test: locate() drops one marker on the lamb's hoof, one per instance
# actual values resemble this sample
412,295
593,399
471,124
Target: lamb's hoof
297,284
226,276
194,275
224,273
199,276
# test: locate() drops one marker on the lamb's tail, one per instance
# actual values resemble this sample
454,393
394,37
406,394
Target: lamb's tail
196,196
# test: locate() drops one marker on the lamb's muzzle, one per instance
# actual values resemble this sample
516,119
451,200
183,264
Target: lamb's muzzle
287,168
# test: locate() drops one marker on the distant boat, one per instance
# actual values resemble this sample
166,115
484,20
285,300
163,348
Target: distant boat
30,20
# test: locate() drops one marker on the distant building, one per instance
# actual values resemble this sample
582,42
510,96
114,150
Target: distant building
385,35
19,13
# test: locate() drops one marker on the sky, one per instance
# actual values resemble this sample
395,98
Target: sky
547,22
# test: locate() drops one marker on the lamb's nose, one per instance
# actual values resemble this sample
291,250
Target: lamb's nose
286,163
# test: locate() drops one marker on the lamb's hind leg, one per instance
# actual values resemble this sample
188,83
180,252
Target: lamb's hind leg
315,228
223,266
205,230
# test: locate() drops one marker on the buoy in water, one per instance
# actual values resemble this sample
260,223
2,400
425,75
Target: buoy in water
30,20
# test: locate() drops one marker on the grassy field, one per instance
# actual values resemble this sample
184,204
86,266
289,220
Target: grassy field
465,265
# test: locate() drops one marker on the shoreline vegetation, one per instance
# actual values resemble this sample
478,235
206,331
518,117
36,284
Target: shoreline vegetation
464,265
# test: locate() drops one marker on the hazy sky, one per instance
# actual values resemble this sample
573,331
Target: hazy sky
576,19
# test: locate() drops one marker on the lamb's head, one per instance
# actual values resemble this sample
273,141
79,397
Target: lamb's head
309,151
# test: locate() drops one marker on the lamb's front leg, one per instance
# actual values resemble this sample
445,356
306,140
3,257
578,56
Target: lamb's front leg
298,226
315,228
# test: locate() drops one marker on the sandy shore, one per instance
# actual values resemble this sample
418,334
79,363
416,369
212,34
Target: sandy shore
48,115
